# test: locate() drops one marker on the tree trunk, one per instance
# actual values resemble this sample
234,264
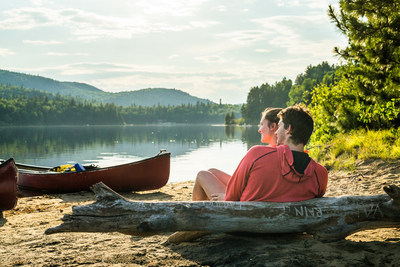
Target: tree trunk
325,218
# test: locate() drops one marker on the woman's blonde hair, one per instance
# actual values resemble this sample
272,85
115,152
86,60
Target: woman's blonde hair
271,115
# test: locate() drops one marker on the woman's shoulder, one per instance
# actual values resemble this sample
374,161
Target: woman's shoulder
259,149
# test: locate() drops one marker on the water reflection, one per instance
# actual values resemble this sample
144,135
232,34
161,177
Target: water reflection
51,146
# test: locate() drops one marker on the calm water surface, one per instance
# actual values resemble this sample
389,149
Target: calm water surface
192,147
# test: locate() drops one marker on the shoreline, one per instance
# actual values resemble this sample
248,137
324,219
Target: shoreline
23,242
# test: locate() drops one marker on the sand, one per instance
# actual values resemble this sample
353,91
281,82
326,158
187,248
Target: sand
23,242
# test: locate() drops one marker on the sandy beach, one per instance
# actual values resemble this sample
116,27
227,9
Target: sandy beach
23,242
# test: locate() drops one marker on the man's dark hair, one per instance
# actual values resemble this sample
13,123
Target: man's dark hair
301,122
271,115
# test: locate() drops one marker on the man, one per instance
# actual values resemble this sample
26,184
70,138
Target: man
284,173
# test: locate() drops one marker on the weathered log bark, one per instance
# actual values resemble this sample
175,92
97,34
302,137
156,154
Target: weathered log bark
324,218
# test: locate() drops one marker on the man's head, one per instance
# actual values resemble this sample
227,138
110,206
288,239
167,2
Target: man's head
295,125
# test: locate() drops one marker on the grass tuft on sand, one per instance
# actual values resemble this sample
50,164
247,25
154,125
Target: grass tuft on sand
346,149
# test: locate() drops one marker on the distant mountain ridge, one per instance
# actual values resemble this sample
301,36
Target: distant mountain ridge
143,97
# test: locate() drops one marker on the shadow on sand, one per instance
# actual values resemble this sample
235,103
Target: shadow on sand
284,250
83,196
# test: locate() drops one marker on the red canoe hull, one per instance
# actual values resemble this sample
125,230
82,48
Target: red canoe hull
148,174
8,185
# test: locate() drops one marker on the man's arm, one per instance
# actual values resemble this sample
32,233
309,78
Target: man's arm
323,173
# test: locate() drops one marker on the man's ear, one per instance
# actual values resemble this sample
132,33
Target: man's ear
289,129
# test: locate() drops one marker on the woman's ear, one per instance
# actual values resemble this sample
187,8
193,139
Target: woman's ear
273,126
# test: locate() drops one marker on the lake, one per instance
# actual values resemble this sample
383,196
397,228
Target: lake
193,147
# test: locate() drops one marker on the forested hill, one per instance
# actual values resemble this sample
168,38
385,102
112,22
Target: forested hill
145,97
48,85
153,97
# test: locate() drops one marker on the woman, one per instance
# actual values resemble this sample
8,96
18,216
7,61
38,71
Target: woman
211,184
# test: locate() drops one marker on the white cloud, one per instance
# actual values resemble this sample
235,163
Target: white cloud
303,47
290,23
105,68
221,8
65,54
27,18
291,35
5,52
41,42
245,37
203,24
173,56
315,4
90,26
38,2
250,1
211,59
202,84
179,8
56,54
260,50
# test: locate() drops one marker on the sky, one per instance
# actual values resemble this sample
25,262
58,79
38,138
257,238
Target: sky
213,49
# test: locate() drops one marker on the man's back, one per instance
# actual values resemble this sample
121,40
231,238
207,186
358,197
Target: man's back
268,174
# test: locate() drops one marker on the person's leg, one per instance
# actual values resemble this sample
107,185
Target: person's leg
222,176
207,184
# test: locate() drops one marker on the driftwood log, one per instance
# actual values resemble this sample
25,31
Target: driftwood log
327,219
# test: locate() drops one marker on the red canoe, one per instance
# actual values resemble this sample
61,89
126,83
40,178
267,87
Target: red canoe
8,185
148,174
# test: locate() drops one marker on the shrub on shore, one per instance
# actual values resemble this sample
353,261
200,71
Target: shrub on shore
345,149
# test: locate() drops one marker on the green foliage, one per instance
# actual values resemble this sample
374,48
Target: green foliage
365,93
44,111
199,113
339,108
284,93
152,97
301,91
230,118
21,106
371,79
240,121
332,112
265,96
380,115
49,85
343,151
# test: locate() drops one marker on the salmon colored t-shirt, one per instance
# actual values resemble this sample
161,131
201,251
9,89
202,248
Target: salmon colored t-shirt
267,174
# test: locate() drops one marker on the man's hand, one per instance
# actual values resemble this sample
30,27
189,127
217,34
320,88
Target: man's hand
217,197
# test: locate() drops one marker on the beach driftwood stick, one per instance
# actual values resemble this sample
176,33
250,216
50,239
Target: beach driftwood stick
326,219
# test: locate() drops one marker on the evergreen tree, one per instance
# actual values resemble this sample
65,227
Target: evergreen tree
230,118
371,79
265,96
305,83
